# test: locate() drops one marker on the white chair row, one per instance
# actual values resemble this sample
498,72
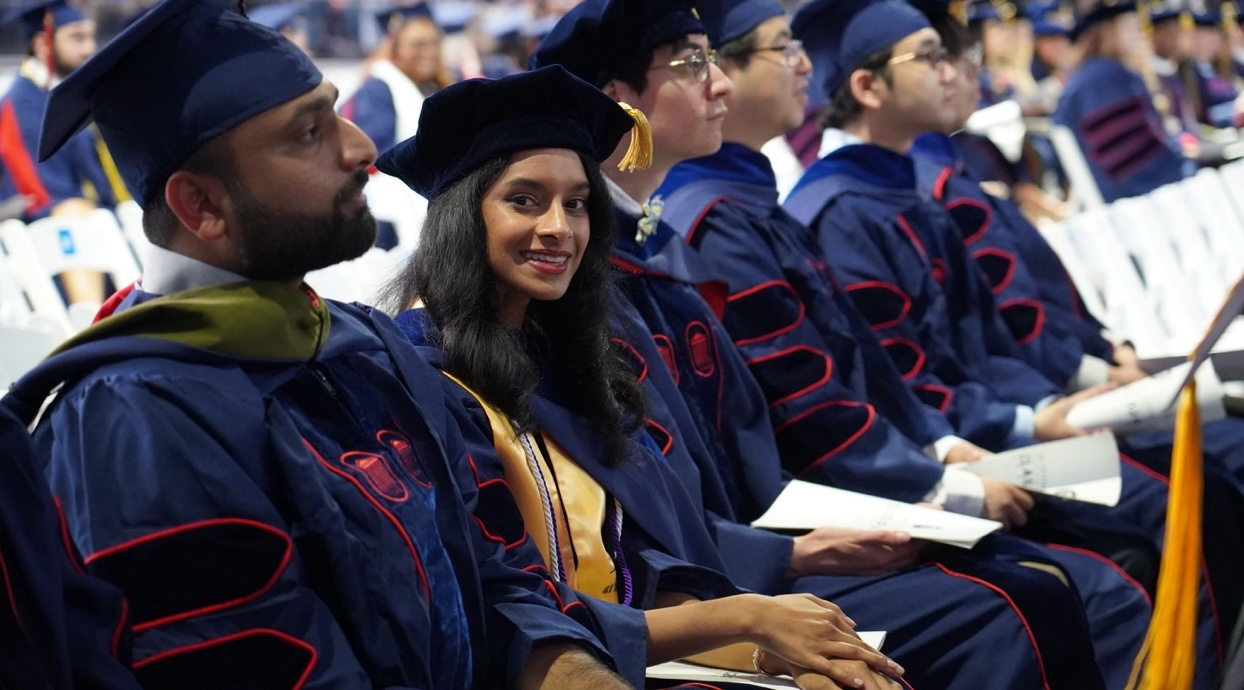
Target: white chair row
1156,268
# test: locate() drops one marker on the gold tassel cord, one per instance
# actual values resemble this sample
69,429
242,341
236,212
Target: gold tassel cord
1167,658
639,153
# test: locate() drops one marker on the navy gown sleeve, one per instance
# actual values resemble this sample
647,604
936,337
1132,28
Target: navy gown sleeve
371,108
61,628
827,430
165,510
892,283
1115,123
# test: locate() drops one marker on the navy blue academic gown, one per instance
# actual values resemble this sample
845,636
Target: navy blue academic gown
964,591
875,230
800,335
663,544
1032,292
1119,130
895,258
74,171
372,109
59,628
282,521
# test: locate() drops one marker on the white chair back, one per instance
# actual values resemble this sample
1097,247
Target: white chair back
1085,193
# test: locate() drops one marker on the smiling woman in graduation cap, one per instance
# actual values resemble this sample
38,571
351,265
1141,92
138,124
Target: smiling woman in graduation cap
511,293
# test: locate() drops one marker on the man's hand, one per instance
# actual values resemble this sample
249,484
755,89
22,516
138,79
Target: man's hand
846,551
965,452
1006,503
1050,423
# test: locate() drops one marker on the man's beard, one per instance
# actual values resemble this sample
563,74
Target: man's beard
63,69
284,246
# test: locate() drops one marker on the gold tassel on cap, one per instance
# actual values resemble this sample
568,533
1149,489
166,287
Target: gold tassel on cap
639,153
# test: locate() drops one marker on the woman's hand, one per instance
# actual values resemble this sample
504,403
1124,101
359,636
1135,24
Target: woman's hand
814,634
846,551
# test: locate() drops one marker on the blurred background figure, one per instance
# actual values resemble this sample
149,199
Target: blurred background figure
288,18
1210,79
1109,107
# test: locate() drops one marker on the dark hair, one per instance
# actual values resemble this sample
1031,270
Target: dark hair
843,108
635,73
449,272
213,158
956,37
739,51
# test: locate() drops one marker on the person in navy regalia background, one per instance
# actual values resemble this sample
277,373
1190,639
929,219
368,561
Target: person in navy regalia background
864,204
522,327
1110,110
712,409
59,38
275,482
802,335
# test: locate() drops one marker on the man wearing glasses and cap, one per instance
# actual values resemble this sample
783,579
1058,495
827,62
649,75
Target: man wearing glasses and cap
276,483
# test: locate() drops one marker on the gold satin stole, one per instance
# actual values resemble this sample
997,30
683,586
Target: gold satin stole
542,487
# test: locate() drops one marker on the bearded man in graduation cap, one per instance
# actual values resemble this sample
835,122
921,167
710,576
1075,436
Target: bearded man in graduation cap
275,482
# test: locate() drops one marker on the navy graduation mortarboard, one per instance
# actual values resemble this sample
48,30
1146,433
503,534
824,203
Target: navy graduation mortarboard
184,73
839,34
393,18
1098,11
466,124
1208,18
598,38
1163,11
1050,19
454,16
728,20
34,15
277,16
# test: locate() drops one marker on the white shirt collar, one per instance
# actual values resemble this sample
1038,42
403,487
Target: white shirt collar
166,272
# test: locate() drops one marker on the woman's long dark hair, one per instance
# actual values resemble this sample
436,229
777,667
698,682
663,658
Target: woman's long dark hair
449,272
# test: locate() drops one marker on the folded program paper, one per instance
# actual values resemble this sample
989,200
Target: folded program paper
694,673
804,505
1085,468
1148,405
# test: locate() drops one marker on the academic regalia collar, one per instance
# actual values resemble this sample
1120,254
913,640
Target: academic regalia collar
166,272
734,162
937,147
38,73
873,165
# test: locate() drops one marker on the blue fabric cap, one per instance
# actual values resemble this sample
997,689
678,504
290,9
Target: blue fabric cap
839,34
1208,18
1050,19
393,18
597,38
1099,12
278,16
1163,10
464,125
728,20
33,15
184,73
454,15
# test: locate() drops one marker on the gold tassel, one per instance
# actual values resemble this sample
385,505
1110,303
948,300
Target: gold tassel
1167,658
639,153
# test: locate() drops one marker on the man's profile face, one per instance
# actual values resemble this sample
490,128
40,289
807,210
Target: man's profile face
297,202
72,45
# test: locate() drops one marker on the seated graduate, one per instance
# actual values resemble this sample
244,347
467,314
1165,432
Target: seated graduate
276,483
1110,110
61,629
512,293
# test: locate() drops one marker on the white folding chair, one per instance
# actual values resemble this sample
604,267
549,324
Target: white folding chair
23,348
1223,223
51,246
1085,193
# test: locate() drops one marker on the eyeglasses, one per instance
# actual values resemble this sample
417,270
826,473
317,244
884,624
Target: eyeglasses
698,64
933,57
792,52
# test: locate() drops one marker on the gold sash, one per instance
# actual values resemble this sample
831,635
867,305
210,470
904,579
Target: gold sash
561,505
